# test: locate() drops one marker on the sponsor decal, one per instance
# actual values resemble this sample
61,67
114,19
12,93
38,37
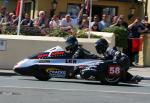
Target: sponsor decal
114,70
56,72
58,53
42,55
70,61
44,61
52,69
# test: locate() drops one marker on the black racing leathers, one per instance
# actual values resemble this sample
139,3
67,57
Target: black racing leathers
122,59
82,53
119,57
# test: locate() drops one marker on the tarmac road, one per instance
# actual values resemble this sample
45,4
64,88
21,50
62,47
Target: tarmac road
20,89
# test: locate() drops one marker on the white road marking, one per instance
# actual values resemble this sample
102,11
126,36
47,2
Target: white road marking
80,90
145,84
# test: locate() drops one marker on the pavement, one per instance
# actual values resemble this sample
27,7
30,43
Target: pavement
142,71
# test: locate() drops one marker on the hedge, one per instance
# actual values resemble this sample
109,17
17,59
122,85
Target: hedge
33,31
121,35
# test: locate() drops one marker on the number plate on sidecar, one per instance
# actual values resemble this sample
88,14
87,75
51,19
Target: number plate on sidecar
114,70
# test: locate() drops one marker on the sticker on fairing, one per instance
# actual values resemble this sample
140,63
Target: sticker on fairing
114,70
56,73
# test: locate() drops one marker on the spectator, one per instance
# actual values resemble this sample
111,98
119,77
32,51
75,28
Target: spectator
114,20
41,22
27,21
95,20
120,22
54,23
145,19
4,17
66,23
146,24
85,25
81,17
3,13
82,14
136,28
95,27
14,20
103,23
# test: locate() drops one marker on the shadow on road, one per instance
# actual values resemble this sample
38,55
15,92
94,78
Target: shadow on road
85,82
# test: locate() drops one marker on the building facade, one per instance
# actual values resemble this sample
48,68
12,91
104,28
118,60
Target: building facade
129,8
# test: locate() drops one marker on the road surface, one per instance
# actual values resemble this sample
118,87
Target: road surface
21,89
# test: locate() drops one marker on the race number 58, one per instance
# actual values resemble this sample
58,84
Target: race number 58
114,70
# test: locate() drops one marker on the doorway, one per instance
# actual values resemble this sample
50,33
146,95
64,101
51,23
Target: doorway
100,10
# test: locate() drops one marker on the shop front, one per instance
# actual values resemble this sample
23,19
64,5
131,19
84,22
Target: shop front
110,7
60,7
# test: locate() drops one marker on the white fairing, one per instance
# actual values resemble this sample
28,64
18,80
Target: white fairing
61,62
54,49
25,63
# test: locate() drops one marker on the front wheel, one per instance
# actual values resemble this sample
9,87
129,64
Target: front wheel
42,75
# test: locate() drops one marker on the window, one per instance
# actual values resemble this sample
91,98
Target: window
28,7
73,10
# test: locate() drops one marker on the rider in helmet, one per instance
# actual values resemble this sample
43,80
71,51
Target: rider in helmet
102,47
76,50
71,44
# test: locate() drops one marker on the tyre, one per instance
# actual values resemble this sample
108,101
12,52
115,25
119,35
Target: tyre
110,80
42,75
111,76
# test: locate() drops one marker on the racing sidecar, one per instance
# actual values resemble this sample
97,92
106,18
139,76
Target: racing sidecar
56,63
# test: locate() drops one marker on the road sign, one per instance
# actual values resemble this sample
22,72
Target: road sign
3,45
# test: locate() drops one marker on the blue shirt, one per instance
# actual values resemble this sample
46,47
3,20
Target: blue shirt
102,25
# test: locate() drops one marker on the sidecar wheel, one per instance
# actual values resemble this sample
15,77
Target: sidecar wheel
42,75
110,80
111,76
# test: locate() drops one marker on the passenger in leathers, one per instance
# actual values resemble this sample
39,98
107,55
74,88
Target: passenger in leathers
102,47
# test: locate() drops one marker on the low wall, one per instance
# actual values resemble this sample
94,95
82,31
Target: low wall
15,48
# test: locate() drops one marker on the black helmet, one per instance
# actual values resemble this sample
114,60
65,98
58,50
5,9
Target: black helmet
101,45
71,43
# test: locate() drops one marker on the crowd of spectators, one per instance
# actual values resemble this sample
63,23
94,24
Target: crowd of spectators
67,23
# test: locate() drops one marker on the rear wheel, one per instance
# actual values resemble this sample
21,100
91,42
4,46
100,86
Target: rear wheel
42,75
110,80
112,75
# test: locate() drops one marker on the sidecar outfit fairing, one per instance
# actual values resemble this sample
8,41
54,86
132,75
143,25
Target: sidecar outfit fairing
56,63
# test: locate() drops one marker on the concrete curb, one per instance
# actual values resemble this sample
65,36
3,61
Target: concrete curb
7,73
